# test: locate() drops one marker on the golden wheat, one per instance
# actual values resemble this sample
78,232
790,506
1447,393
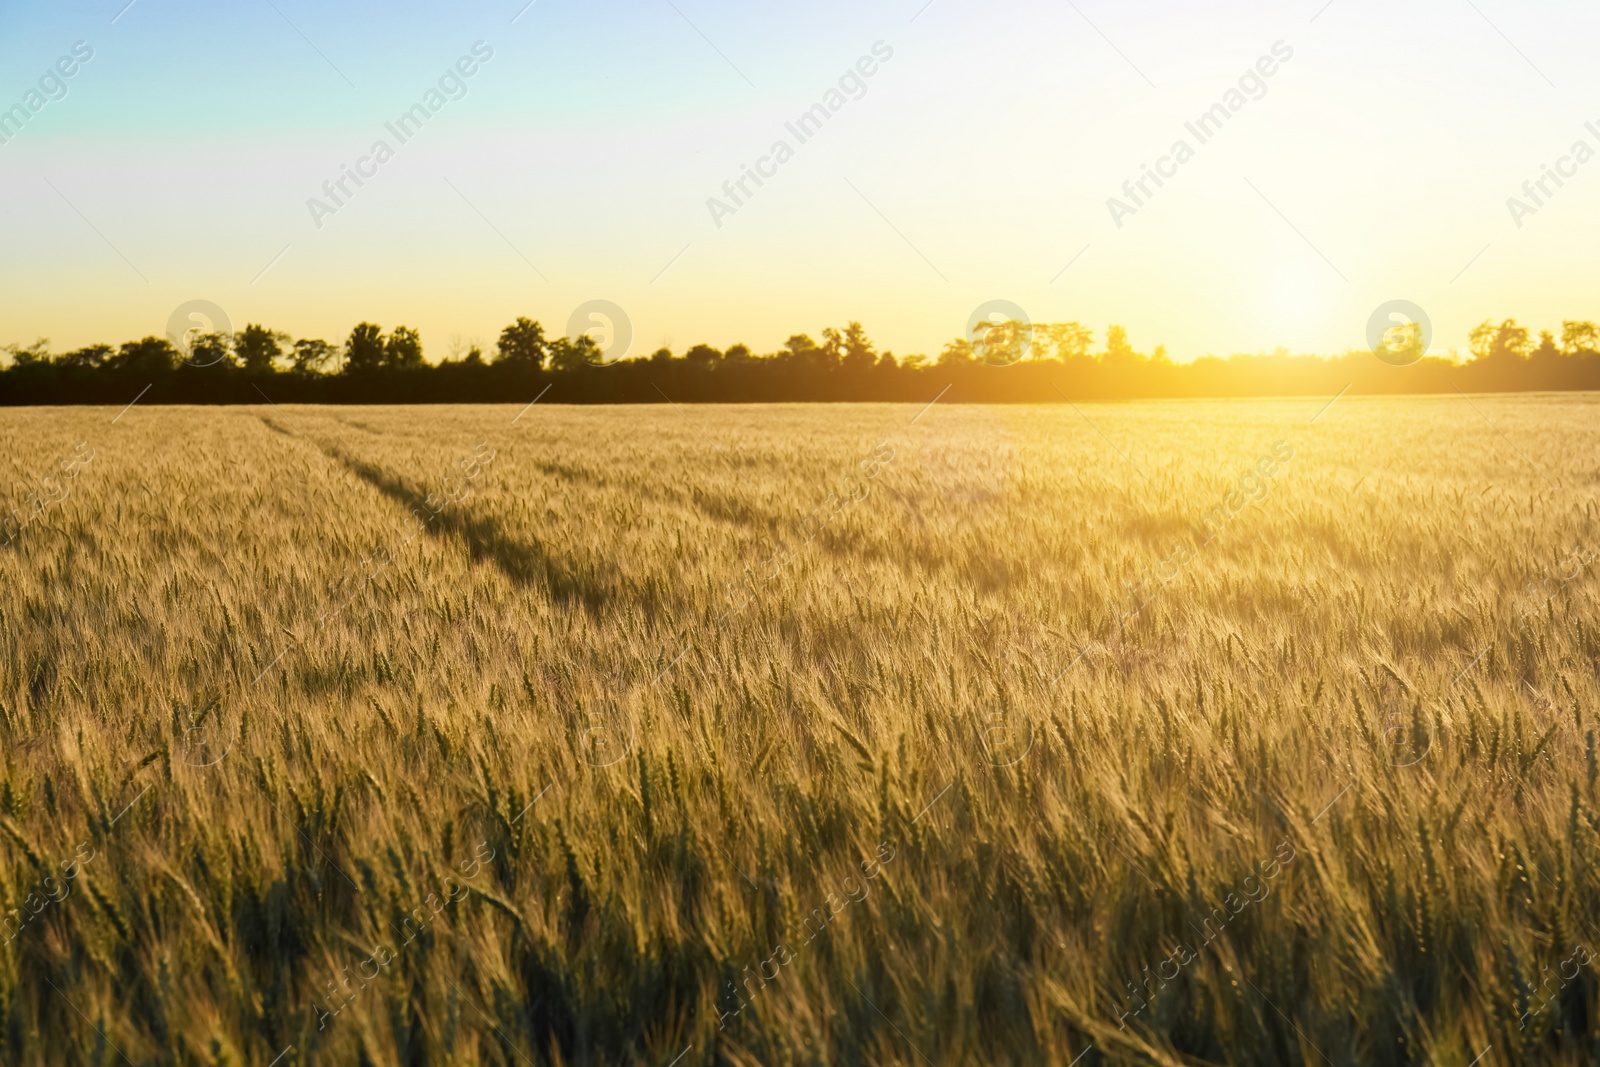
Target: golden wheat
1191,732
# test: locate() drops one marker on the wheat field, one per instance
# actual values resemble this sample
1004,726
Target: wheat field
1163,733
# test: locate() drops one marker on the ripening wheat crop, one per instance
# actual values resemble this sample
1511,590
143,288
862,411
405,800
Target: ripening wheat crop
1172,733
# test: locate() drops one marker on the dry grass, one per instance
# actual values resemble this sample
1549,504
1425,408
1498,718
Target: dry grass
998,756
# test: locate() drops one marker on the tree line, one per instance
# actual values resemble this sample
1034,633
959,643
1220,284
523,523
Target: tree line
1007,361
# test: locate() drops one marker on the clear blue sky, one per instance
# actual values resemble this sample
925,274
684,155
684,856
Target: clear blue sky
977,162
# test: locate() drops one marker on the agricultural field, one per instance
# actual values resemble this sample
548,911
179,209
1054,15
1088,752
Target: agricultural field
1160,733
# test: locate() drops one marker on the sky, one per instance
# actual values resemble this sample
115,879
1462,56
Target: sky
586,155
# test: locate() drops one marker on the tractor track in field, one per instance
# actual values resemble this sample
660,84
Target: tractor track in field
524,564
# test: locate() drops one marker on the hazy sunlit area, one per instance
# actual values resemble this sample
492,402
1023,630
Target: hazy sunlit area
976,163
681,534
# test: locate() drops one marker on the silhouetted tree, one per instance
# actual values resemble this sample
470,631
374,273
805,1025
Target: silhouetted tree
1403,343
364,350
404,348
956,352
36,353
523,344
568,353
1118,350
1003,343
703,355
91,357
392,369
1579,337
153,355
314,356
798,348
857,350
258,348
832,347
1505,341
1069,339
802,351
210,350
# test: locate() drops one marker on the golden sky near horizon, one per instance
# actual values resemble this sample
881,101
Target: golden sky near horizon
1355,154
